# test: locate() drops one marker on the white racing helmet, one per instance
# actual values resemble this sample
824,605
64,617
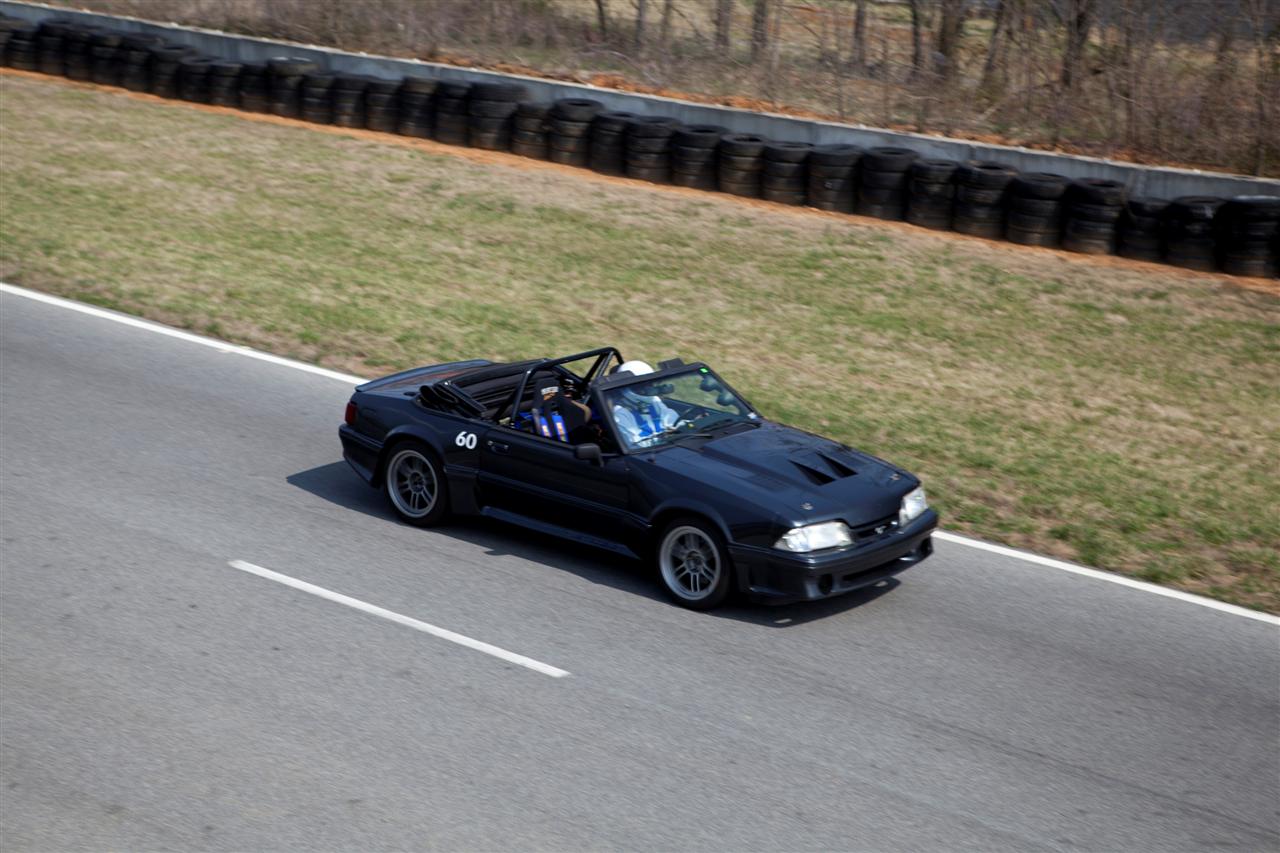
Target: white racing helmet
635,368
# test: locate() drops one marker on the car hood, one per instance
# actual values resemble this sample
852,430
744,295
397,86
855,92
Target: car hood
800,476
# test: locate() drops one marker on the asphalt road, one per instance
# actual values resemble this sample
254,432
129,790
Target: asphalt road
152,696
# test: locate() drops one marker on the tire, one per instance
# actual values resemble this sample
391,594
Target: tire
779,169
1035,206
418,85
656,174
659,126
415,486
565,127
693,155
740,163
695,182
613,121
1040,185
490,109
568,158
933,171
835,155
742,145
648,159
986,175
1098,191
453,90
693,564
889,159
969,194
571,144
874,179
701,136
508,92
787,152
648,144
1047,239
576,109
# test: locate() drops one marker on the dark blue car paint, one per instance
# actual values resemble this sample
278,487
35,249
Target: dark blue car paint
754,485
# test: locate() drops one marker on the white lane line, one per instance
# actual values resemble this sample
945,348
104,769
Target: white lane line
1028,557
147,325
223,346
408,622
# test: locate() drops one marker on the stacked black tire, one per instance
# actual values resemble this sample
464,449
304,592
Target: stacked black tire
739,164
165,67
255,85
1249,236
784,176
286,73
50,48
1093,207
224,83
317,97
491,108
1189,232
77,56
135,62
451,112
833,176
20,49
569,130
607,148
931,191
882,184
980,199
346,99
693,155
531,125
104,48
381,104
193,78
416,115
7,26
1141,231
649,148
1035,209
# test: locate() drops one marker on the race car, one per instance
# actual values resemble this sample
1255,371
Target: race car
670,465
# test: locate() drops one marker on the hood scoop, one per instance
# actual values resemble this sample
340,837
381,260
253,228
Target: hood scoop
822,468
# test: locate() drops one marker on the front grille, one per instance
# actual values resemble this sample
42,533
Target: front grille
875,529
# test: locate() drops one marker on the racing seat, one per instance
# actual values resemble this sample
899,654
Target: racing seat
562,418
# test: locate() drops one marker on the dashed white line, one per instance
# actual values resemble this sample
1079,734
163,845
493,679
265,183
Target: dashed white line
399,619
223,346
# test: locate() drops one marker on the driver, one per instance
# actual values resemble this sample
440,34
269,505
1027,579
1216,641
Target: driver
640,417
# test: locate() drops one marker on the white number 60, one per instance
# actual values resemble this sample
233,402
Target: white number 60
466,439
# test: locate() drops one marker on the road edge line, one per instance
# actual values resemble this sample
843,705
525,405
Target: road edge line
247,352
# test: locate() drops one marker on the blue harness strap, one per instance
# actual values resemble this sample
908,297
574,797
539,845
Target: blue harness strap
540,420
558,421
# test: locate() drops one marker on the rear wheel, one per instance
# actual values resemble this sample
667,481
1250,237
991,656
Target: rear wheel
694,564
415,485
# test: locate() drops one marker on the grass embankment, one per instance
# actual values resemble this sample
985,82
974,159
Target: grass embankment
1124,416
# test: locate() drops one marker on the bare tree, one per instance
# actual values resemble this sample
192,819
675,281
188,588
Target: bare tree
950,31
642,7
1078,20
664,30
858,55
759,29
724,23
917,37
603,17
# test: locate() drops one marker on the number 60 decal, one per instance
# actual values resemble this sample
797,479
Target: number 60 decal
466,439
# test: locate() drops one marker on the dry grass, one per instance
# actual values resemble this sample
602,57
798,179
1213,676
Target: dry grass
1123,415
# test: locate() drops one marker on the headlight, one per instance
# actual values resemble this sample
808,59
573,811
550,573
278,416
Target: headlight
913,504
815,537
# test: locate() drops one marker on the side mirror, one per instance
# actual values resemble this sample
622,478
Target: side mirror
589,452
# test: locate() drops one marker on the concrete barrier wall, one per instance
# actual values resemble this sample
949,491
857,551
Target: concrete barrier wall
1159,182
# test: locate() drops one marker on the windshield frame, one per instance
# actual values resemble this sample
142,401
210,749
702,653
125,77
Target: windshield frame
608,384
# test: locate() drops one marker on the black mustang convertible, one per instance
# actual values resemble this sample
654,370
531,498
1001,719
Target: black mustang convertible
671,465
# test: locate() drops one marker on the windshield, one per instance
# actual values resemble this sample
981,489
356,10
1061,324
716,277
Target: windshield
672,408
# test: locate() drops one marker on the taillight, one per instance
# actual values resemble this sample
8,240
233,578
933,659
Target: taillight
351,414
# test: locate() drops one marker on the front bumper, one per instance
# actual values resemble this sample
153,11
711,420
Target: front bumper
778,577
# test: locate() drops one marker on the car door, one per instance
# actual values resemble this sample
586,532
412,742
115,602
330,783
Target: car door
541,479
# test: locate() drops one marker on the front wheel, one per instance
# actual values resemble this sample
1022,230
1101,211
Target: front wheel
415,486
694,564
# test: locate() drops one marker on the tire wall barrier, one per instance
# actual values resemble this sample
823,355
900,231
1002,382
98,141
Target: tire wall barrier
1198,220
